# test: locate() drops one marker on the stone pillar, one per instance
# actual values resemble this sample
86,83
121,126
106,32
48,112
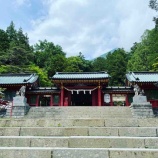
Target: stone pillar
19,108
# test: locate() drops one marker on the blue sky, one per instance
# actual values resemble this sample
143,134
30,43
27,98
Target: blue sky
92,27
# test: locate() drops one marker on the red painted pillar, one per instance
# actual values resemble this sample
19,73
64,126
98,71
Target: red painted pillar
127,102
66,101
99,95
51,100
93,98
62,96
37,100
111,100
69,98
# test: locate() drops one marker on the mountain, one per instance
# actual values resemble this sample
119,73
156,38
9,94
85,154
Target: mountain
105,54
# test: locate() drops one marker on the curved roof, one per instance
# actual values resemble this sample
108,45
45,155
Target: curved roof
145,76
80,75
12,79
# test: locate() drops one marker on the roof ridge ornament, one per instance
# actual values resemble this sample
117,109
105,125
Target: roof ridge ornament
25,80
136,78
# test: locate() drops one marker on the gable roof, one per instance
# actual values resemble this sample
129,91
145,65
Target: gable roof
144,76
80,75
16,79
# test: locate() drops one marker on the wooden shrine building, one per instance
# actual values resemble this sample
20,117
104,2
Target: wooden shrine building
80,89
11,83
147,81
36,95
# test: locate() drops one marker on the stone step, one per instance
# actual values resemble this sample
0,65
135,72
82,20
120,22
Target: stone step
69,116
79,112
26,152
80,142
80,131
112,142
106,109
108,122
32,141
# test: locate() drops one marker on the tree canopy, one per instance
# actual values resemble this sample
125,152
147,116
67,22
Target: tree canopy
116,64
144,55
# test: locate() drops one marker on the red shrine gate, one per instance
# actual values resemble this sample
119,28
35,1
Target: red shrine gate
81,96
81,89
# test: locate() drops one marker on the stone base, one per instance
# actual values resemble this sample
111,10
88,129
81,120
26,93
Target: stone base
142,110
17,111
139,99
19,108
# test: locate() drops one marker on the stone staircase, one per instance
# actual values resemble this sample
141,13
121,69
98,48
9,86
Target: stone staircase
79,112
79,132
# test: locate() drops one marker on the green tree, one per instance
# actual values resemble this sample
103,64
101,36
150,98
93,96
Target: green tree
155,65
55,64
153,4
99,64
23,40
145,53
86,64
116,64
44,51
19,56
74,64
43,77
12,34
50,57
4,41
11,69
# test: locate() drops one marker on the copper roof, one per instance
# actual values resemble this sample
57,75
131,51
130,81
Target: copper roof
80,75
145,76
23,78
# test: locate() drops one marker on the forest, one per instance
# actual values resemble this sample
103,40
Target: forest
45,58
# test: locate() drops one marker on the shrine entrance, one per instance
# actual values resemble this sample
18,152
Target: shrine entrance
44,100
81,99
81,88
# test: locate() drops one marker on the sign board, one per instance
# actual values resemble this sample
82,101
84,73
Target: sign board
47,95
107,98
118,98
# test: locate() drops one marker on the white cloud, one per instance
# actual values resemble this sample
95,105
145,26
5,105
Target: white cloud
137,18
92,27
